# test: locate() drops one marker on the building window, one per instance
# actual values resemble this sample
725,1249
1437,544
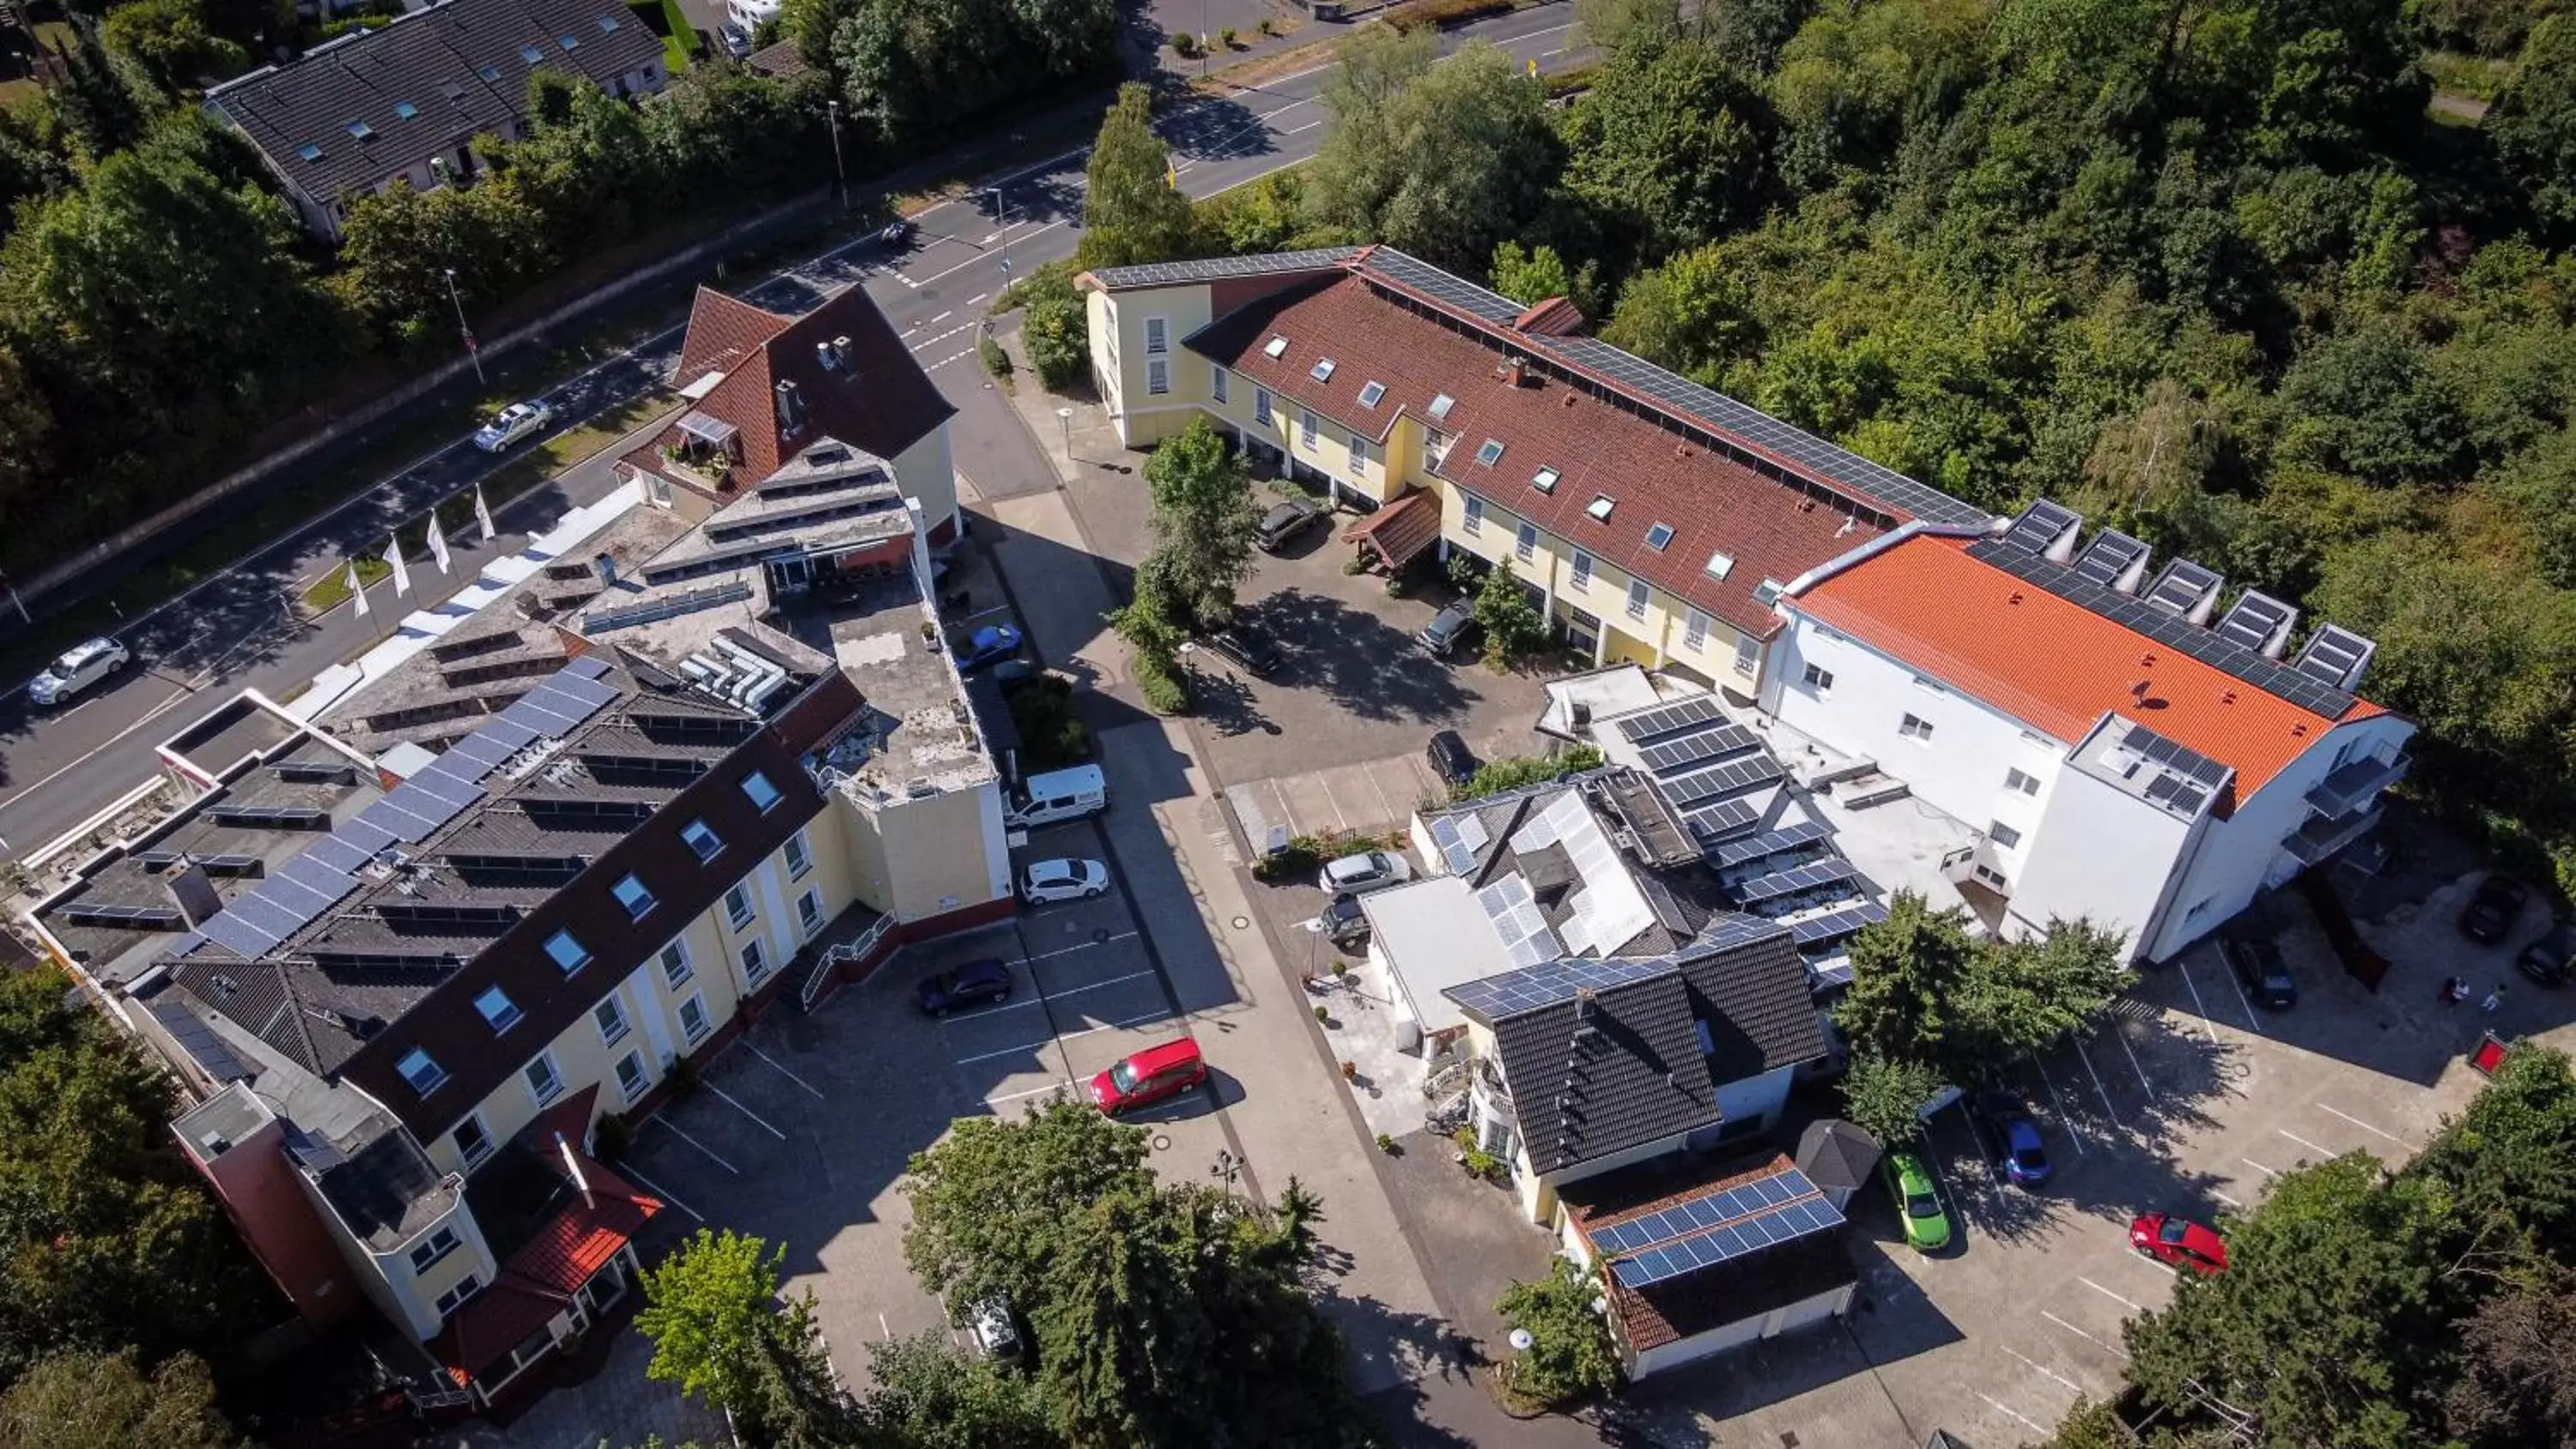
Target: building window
800,859
1748,654
1915,727
454,1298
1637,595
1928,685
755,962
763,794
1991,876
809,912
498,1009
1435,447
2003,835
1217,383
738,906
1659,536
1695,630
1719,566
2016,780
611,1019
1261,406
1525,544
544,1082
425,1076
1359,453
705,842
631,894
1371,394
1306,428
429,1250
630,1075
1158,376
1158,336
473,1141
1490,452
1582,580
677,968
566,952
1819,680
1471,518
1322,371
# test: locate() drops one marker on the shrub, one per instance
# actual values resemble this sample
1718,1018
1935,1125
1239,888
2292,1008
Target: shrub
1225,37
1324,1015
1164,688
1354,566
1386,1144
1184,42
1465,1137
1569,1356
1511,773
1051,734
1481,1163
996,361
1408,18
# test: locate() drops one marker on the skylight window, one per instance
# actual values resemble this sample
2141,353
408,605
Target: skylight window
1370,394
1491,453
1770,591
531,54
1720,565
568,42
1544,480
362,130
1658,536
1600,506
1440,407
490,72
1322,371
567,953
1276,347
309,151
608,25
405,110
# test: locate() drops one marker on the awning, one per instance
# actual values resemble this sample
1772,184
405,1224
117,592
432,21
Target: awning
540,1279
715,432
1400,531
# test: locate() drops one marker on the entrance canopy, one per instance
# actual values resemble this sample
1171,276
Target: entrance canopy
714,432
1399,532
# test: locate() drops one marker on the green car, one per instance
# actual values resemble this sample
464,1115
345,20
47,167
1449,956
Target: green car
1918,1207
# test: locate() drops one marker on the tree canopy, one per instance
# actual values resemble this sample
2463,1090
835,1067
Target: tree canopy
1131,211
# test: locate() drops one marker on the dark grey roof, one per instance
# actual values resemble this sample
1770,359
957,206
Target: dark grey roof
424,85
1836,1154
1594,1076
1215,269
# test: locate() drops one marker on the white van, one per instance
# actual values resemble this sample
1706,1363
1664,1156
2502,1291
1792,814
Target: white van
1056,795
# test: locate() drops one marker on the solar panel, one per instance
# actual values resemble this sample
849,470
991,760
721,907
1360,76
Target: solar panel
199,1041
131,918
1795,881
1834,926
446,913
1429,281
315,772
509,734
1690,713
448,787
1523,930
1458,838
2041,525
271,817
233,866
237,935
1721,822
1550,983
2181,586
2181,759
2110,555
1711,1229
478,754
1728,929
1775,842
1211,269
1734,777
1829,972
1709,744
2334,655
588,666
2255,620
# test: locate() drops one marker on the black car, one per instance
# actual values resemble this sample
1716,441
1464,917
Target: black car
972,983
2494,909
1448,629
2545,960
2260,969
1287,521
1451,758
1245,650
1345,924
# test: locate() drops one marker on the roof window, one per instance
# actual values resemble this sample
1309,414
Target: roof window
1491,453
362,130
531,54
309,151
1276,347
1720,565
1658,536
1770,591
1544,480
1441,405
489,72
1323,371
567,953
405,110
568,42
1600,506
1370,394
608,25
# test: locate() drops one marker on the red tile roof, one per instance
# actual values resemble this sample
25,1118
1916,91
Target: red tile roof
541,1277
2053,663
1653,475
1400,530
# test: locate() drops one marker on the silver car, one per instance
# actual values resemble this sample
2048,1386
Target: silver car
80,667
509,425
1366,871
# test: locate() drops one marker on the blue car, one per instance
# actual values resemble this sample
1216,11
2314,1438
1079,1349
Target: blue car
990,644
2013,1137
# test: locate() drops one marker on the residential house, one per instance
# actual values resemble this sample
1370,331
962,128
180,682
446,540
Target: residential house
404,103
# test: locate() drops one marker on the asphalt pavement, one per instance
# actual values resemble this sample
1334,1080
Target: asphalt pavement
239,629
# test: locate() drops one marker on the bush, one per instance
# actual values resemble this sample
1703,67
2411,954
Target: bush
1051,734
996,361
1225,37
1570,1355
1483,1164
1405,19
1306,854
1184,42
1166,691
1495,776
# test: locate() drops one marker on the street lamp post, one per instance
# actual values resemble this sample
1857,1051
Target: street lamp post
1002,219
840,173
1202,39
1065,416
462,330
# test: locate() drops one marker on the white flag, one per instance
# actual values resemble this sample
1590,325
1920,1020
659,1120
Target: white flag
357,590
483,515
402,576
437,544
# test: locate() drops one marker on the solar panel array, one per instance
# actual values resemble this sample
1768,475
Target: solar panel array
123,918
2333,653
1609,911
1517,920
1774,842
1709,744
2269,675
1654,724
2179,758
1212,269
2255,618
1458,839
1721,822
1734,777
2110,554
199,1040
1835,925
2181,585
1427,280
1826,972
1727,929
1796,881
2041,524
1549,983
1746,1222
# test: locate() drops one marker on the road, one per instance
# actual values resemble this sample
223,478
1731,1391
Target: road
236,630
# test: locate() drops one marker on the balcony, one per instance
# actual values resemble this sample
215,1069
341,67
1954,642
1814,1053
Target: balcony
2323,835
2356,783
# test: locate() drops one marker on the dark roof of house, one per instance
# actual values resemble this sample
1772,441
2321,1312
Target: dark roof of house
1603,1072
779,60
350,113
1748,1285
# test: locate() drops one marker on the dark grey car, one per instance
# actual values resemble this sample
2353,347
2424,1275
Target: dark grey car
1285,522
1448,630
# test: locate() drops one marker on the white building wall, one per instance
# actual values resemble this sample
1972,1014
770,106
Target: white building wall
1759,1097
1787,1319
2099,852
927,474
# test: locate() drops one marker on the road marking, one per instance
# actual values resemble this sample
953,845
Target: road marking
782,1071
2086,1058
2250,1162
2303,1142
1031,1092
2197,1004
746,1111
1301,130
2133,1305
978,297
1041,1044
2080,1333
2366,1127
884,1327
1096,985
944,316
1087,945
2074,1132
2222,1197
2251,1024
693,1142
2143,1084
984,256
658,1190
2043,1368
1116,1025
2035,1425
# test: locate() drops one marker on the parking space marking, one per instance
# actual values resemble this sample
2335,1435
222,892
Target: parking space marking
1386,808
1096,985
2074,1133
1119,1025
2099,1343
2303,1142
2242,1000
746,1111
2268,1171
1084,946
2222,1197
1041,1044
1031,1092
2035,1425
2197,1004
658,1190
2086,1058
675,1131
2039,1367
2133,1305
2364,1126
782,1071
2143,1084
985,613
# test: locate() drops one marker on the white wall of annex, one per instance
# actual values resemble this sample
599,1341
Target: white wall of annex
2100,853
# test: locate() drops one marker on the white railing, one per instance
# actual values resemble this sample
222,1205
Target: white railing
834,958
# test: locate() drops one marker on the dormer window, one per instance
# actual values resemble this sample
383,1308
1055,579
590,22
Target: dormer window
1370,394
1277,347
1322,371
1720,565
1659,536
1491,453
1600,507
1544,480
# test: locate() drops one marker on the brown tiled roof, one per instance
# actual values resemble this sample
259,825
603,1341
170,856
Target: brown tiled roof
1400,530
1653,475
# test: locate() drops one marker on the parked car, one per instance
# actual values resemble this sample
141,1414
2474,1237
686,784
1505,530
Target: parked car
1345,924
1156,1074
2546,960
1285,522
2014,1137
988,645
1448,630
1062,880
989,1324
2494,910
81,666
1918,1206
1245,650
896,233
1451,759
2177,1242
509,425
1367,871
974,983
2261,971
737,41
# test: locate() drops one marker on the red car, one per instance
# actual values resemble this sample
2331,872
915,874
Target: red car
2177,1242
1150,1076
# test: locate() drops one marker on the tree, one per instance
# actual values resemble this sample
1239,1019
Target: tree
1672,141
1444,159
1569,1356
2030,994
89,1400
2533,123
1539,275
1131,211
928,1395
1909,974
1691,314
2517,1382
709,1308
1513,625
1885,1097
988,1200
400,246
1205,520
169,39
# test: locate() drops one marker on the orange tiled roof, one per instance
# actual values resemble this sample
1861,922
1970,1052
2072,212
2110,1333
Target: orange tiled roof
2054,664
542,1276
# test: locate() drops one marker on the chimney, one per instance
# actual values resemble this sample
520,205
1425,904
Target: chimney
1514,371
791,409
194,894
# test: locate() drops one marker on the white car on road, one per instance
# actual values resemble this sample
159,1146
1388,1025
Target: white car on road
1366,871
1062,880
510,424
77,670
